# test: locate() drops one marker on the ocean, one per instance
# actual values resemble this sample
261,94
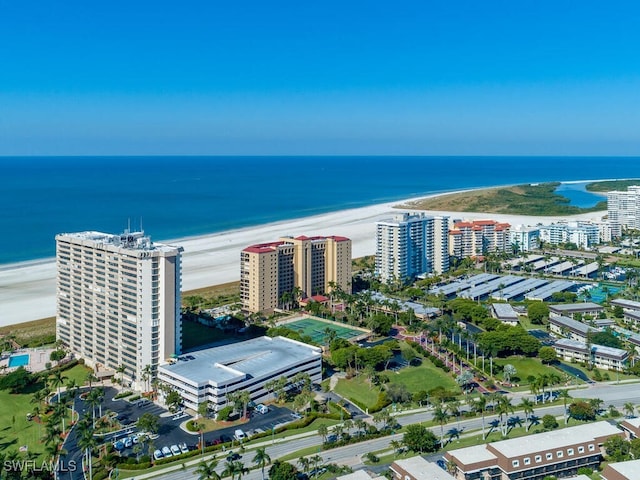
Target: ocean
175,197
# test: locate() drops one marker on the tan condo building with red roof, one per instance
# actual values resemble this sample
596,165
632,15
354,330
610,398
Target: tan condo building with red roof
272,274
479,237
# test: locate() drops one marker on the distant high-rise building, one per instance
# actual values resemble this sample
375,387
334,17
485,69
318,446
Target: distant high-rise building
411,245
301,266
623,210
118,301
477,238
582,234
523,238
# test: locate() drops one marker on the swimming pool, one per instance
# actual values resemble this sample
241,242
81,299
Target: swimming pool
18,360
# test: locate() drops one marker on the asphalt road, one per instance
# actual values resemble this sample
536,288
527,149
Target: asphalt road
611,394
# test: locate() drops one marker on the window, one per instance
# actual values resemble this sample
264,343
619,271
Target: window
515,463
538,458
549,456
559,454
580,449
527,461
592,447
569,451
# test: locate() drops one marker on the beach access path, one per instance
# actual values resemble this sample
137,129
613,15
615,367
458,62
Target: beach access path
28,289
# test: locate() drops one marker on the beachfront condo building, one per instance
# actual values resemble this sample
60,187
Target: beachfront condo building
524,238
277,273
623,210
118,302
478,238
411,245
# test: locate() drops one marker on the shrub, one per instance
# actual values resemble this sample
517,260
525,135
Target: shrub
134,398
372,457
225,413
123,394
549,422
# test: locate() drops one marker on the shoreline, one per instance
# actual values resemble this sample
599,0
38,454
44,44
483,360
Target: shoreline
27,289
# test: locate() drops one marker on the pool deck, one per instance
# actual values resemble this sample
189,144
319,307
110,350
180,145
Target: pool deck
38,358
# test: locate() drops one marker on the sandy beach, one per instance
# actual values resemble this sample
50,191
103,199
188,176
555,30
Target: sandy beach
27,290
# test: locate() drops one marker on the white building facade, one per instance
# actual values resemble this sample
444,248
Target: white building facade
411,245
210,375
623,210
118,301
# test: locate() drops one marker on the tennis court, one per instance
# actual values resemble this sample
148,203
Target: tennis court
316,329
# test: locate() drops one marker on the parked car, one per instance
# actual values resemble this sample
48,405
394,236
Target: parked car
239,435
119,445
183,447
128,442
260,408
175,449
157,455
166,451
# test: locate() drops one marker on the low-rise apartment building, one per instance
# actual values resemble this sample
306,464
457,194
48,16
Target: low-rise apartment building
573,329
417,468
629,470
505,313
559,453
210,375
572,309
600,356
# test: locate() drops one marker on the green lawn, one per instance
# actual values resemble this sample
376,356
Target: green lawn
524,367
358,389
423,377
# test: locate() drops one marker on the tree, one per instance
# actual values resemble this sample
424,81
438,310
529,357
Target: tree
148,423
628,408
57,380
282,471
207,471
261,459
323,431
508,372
581,410
396,445
16,381
617,449
173,400
440,416
398,393
420,439
234,469
549,422
464,379
537,312
87,442
480,404
203,409
527,408
547,355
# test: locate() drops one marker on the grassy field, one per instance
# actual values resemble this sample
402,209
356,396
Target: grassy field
525,367
357,388
423,377
611,185
32,334
15,430
538,199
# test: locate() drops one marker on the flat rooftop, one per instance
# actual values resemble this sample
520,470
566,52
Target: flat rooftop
254,358
575,307
629,469
421,469
474,454
555,439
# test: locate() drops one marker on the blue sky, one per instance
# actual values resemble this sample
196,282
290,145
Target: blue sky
225,78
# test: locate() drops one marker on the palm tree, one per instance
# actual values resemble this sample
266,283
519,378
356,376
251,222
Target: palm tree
120,370
629,408
57,380
261,459
94,399
91,378
527,408
440,416
454,410
234,468
87,442
396,445
207,471
504,408
71,392
316,459
304,464
323,431
480,405
146,375
564,394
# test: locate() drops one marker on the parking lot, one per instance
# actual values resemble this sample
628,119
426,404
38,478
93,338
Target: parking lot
169,433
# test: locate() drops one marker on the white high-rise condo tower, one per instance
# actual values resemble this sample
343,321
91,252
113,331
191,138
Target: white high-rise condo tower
118,301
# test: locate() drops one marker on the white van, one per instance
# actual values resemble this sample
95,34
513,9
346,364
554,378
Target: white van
260,408
239,435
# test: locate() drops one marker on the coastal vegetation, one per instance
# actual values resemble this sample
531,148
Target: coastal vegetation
535,199
611,185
